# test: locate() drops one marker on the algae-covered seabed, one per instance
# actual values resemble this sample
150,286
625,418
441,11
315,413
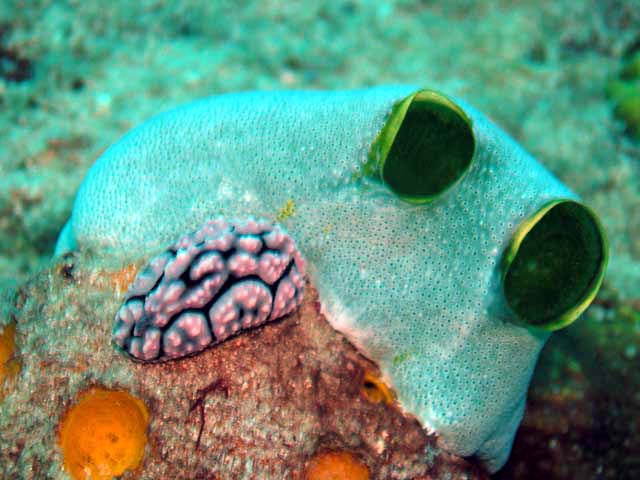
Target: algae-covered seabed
75,75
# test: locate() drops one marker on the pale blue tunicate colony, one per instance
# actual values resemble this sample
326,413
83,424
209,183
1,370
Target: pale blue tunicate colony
416,287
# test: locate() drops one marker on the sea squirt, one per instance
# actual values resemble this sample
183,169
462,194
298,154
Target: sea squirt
438,245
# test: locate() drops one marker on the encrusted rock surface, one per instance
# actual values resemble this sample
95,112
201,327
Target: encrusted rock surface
259,405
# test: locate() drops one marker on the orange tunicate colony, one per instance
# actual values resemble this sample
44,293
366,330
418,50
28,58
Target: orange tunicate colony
9,366
336,466
103,434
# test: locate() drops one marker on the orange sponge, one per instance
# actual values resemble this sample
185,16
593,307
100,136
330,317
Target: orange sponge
336,466
375,390
103,435
121,279
9,366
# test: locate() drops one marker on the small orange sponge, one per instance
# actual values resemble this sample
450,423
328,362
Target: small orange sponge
375,390
336,466
9,366
103,435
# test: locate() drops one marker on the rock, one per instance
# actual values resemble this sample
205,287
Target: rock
259,405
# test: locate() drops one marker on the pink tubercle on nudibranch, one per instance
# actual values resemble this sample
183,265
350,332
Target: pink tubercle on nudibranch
225,277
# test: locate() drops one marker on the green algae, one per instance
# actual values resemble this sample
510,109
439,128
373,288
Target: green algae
624,92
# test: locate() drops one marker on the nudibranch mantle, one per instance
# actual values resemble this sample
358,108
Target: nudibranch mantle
417,286
225,277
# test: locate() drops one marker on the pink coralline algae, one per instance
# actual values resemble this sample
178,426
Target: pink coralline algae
223,278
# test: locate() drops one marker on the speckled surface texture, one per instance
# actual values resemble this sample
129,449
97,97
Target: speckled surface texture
75,76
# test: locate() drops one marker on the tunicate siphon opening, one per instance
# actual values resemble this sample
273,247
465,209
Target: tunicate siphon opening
425,147
554,265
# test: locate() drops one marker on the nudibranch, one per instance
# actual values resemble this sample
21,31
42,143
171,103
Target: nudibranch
438,246
223,278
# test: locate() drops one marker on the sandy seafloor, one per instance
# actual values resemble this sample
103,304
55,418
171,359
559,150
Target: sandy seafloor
75,75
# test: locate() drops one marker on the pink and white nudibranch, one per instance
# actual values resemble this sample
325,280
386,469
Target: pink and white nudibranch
223,278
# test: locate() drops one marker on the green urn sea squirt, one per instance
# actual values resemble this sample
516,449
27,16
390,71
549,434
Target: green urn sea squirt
438,246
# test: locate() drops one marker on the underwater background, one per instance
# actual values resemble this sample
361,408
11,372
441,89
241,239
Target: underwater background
561,77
